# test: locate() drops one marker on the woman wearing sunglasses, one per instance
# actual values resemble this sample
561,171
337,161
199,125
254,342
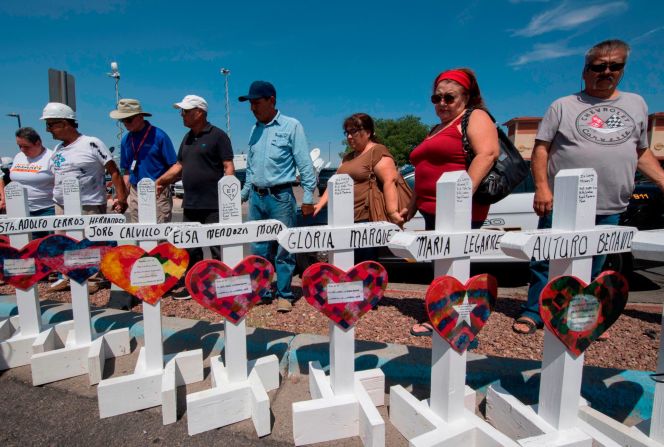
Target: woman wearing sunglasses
369,163
454,91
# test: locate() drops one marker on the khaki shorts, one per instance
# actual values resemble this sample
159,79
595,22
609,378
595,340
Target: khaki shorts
164,205
85,210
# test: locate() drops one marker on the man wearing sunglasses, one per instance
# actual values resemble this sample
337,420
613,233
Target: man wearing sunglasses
601,128
277,146
146,152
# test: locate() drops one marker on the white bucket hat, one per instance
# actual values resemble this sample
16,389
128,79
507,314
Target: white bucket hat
128,107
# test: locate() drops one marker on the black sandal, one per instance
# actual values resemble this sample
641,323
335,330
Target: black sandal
427,333
527,321
657,377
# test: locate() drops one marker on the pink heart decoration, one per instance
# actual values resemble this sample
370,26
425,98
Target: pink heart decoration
230,292
365,283
577,313
458,312
22,268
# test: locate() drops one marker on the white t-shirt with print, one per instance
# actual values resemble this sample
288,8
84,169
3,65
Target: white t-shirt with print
36,176
85,159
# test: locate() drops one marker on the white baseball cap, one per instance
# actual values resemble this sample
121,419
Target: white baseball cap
192,102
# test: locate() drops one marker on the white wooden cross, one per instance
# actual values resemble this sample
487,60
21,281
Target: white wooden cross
344,404
449,415
239,387
70,348
18,333
156,377
570,246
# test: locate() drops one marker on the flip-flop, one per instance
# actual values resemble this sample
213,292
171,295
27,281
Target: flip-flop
426,333
657,377
532,326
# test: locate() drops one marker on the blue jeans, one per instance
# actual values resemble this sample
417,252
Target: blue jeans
539,270
282,207
50,211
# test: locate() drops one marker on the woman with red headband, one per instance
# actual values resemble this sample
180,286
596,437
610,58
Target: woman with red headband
454,91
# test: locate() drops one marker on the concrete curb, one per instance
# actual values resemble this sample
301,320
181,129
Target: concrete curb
625,395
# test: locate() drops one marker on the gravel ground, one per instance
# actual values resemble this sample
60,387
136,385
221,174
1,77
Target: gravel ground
633,343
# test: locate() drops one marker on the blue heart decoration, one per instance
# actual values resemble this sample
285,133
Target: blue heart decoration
79,260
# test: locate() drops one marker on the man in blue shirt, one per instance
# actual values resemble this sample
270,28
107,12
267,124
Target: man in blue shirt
277,146
146,152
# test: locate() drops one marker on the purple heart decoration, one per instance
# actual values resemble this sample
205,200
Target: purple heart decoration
79,260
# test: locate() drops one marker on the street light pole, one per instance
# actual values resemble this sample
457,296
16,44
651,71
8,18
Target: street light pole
226,72
115,74
17,116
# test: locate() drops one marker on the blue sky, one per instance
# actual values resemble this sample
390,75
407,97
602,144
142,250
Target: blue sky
326,59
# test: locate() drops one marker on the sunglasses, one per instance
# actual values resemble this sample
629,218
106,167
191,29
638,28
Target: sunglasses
52,124
447,97
601,68
129,119
351,131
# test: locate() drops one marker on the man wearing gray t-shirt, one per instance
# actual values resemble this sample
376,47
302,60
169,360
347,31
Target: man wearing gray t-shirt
600,128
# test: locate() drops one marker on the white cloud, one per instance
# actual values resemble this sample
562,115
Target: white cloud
543,52
645,35
564,17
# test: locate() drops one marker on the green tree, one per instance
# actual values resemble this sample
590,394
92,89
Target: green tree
400,135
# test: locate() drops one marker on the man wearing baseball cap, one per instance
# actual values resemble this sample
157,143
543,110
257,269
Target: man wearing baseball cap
277,146
146,152
204,157
86,158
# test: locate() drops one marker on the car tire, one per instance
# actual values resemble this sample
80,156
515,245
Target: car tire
622,263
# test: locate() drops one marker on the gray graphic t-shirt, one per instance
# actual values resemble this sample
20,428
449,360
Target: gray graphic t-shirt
589,132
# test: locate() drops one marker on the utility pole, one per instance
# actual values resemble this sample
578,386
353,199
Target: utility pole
17,116
226,72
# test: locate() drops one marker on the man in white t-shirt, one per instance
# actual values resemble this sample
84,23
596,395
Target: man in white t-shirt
85,158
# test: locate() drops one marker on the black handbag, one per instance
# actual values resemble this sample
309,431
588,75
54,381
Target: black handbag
507,172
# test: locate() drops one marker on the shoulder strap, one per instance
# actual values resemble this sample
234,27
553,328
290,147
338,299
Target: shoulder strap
464,136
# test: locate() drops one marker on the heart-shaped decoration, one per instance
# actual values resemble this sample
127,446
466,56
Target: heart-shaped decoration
79,260
230,190
344,296
577,313
230,292
22,268
458,312
146,275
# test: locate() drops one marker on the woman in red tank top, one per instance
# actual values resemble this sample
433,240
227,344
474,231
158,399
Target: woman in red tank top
442,151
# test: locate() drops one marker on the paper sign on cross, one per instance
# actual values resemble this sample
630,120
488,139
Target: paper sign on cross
449,246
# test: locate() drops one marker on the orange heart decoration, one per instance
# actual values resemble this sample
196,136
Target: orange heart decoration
146,275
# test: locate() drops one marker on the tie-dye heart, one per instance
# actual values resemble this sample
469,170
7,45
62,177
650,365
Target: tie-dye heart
459,312
79,260
578,314
344,296
230,292
146,275
22,268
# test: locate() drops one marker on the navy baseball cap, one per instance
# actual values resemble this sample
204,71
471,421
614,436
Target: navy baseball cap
259,89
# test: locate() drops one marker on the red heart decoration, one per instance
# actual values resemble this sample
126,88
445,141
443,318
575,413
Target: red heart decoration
119,266
458,312
79,260
13,261
359,290
230,298
577,313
